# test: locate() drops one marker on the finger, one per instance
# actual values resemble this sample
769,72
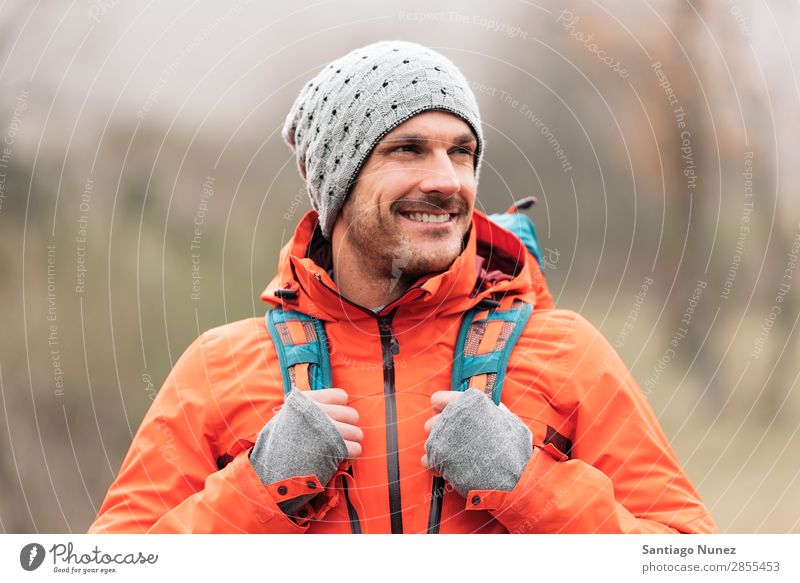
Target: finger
340,413
431,422
329,396
353,449
440,399
427,466
349,432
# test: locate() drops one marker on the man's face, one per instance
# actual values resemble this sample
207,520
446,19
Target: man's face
412,203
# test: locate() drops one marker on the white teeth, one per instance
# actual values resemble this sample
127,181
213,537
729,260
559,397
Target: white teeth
428,218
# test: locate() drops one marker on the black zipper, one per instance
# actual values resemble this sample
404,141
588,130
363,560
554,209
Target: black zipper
355,525
390,347
435,516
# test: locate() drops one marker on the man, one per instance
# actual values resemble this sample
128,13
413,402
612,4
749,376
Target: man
389,141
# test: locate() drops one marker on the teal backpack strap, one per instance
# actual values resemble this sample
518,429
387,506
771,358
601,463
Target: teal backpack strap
473,358
521,226
504,329
300,339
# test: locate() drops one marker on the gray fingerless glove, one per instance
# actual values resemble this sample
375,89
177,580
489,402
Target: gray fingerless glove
476,445
299,441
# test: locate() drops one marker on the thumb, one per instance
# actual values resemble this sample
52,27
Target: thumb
427,466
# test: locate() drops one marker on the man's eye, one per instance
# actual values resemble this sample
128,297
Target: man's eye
406,148
462,150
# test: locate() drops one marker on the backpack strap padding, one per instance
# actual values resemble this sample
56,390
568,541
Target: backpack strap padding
300,340
470,359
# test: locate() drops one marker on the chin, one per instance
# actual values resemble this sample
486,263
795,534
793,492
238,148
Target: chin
424,263
417,258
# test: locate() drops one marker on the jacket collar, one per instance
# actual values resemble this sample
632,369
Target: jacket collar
494,263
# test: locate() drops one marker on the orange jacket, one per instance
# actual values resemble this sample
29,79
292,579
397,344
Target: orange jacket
600,463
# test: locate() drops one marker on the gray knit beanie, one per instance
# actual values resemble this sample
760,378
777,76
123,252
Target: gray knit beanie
343,112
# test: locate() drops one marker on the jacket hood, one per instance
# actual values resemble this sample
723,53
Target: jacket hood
494,264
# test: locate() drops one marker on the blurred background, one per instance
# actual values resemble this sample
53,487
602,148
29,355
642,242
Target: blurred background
145,192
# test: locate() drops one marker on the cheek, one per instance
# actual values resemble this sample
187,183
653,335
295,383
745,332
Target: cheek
468,184
395,181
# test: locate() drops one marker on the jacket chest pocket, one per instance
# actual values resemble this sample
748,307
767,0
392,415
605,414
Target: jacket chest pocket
551,429
233,448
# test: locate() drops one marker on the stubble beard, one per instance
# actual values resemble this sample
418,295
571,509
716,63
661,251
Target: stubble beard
389,254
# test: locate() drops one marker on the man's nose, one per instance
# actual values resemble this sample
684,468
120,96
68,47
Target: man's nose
440,175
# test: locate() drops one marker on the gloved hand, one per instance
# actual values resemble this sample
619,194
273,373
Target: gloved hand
311,434
474,444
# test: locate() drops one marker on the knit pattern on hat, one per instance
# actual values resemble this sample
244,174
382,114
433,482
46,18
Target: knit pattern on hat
344,111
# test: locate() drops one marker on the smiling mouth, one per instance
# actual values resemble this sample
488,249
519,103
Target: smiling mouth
429,218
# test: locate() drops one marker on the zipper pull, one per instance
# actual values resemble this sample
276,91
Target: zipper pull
385,327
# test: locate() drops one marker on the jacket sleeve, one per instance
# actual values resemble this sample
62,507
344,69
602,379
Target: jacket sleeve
170,481
622,477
